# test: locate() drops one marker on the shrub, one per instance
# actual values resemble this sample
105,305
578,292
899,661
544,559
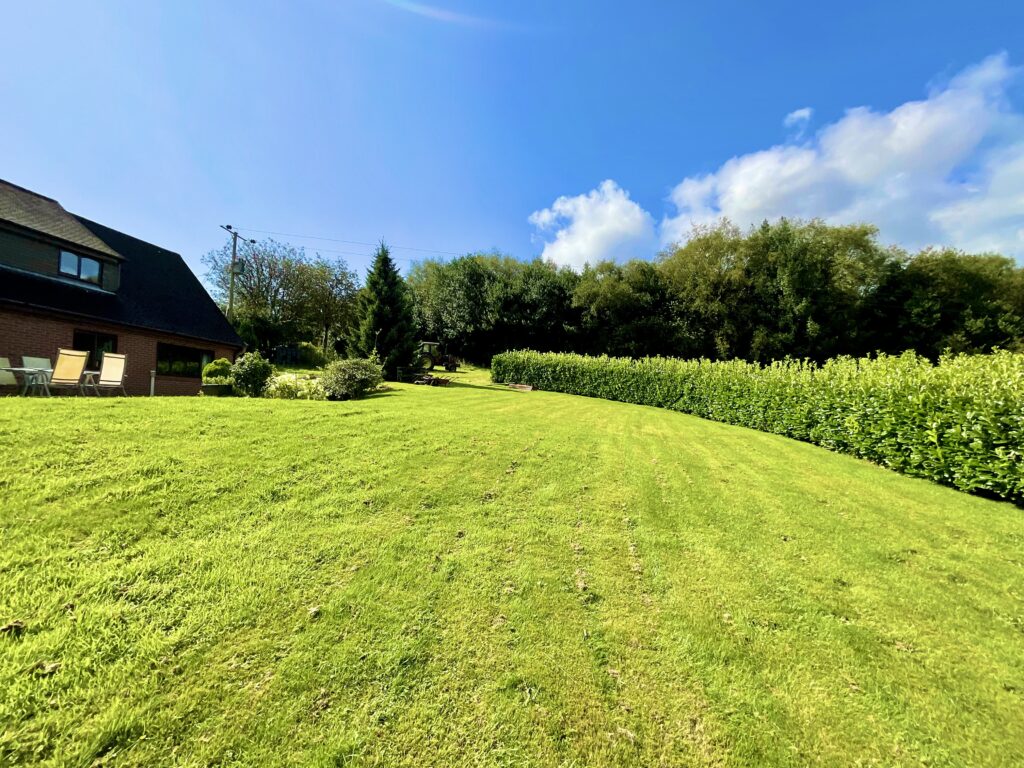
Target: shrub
959,422
289,386
311,356
349,379
250,373
218,369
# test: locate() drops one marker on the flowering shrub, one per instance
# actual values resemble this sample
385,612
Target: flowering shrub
290,386
959,422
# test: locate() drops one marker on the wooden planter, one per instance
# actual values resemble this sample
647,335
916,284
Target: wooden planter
217,390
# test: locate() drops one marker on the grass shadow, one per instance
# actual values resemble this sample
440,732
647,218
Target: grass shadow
488,387
380,393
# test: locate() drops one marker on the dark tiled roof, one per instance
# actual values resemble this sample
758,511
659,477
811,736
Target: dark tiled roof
43,214
158,291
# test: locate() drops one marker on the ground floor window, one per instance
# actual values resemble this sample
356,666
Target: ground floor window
95,344
172,360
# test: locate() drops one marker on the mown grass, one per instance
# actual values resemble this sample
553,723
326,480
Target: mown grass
476,576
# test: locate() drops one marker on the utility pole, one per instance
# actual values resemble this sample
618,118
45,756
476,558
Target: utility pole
234,267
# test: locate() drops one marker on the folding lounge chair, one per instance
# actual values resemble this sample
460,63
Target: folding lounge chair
112,372
67,373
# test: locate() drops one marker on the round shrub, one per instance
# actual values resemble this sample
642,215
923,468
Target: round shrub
310,355
349,379
250,373
289,386
218,369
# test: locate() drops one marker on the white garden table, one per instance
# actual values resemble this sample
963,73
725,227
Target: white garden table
31,377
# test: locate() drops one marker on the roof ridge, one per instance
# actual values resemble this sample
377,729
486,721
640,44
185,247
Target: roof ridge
89,223
32,192
46,216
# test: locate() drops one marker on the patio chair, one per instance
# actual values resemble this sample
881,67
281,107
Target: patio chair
112,373
7,378
67,373
37,381
42,363
37,362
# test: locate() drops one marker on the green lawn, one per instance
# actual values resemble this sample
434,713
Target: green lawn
476,576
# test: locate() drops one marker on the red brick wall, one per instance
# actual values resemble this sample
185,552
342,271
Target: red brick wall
36,335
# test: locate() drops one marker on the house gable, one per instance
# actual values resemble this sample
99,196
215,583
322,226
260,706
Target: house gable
76,267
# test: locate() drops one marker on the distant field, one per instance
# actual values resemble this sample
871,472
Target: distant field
475,576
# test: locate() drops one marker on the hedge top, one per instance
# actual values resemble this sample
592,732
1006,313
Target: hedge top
959,422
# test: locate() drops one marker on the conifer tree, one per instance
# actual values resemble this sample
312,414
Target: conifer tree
384,317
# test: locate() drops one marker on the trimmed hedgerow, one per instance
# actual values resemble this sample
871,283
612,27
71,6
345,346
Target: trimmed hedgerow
959,422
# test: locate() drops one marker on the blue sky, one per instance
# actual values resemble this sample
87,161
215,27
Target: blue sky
580,129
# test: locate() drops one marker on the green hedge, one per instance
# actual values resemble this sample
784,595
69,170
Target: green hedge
959,422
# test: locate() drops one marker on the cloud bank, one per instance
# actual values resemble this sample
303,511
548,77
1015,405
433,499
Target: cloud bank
944,170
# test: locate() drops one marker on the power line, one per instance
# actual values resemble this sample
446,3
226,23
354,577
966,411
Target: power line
350,253
349,242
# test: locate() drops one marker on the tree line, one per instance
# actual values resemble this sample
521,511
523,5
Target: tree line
783,289
284,297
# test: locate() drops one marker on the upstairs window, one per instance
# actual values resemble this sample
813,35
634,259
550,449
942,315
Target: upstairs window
81,267
172,360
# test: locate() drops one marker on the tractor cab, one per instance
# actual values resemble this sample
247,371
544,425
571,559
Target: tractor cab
430,354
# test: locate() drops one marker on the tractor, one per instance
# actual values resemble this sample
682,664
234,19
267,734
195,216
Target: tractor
430,354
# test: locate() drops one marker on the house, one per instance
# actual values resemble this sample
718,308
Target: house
69,282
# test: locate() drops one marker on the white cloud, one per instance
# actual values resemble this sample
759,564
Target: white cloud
601,224
798,117
441,14
944,170
948,169
989,216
